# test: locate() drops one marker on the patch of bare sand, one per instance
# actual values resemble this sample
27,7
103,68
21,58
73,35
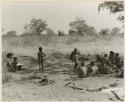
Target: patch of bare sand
23,87
28,89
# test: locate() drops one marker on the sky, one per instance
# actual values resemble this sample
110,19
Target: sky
58,15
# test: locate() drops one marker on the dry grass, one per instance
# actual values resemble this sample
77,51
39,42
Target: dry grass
57,67
28,46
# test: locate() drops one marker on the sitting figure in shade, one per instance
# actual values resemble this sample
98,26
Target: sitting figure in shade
16,66
9,61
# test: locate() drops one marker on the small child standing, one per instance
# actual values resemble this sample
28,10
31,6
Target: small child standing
41,56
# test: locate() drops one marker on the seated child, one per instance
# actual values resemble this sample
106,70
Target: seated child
15,65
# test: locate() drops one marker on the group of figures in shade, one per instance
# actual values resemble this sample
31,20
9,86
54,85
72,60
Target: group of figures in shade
87,65
83,65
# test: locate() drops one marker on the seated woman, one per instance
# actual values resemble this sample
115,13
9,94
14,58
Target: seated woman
9,61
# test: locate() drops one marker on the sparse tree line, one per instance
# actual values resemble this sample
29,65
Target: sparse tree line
78,27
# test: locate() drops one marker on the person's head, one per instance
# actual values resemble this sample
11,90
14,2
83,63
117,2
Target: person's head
112,53
92,63
105,55
118,65
9,55
15,59
117,54
45,77
75,49
98,56
40,49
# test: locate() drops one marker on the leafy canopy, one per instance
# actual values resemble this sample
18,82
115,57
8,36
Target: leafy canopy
114,7
80,27
36,26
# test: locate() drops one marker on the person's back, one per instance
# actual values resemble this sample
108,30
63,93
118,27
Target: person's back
111,57
77,58
84,69
105,59
73,54
41,56
79,71
76,61
117,59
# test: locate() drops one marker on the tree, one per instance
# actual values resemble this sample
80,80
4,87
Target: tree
104,32
92,31
80,27
11,33
50,31
36,26
60,33
71,32
114,7
115,31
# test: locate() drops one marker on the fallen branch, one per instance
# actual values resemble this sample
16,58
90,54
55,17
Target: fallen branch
118,98
99,89
73,86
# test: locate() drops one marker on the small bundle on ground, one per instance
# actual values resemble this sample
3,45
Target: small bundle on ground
46,81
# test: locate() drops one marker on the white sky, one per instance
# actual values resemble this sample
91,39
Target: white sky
57,14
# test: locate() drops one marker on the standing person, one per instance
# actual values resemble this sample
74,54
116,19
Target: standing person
111,57
105,66
41,56
76,61
80,73
112,61
73,54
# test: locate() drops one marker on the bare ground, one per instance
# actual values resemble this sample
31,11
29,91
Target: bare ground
23,86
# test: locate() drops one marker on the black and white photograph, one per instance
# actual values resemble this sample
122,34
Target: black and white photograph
62,50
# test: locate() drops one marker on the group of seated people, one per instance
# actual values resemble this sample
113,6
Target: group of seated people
12,63
105,63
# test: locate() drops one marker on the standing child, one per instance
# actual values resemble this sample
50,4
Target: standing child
41,56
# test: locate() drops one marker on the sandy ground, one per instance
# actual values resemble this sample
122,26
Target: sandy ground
22,88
